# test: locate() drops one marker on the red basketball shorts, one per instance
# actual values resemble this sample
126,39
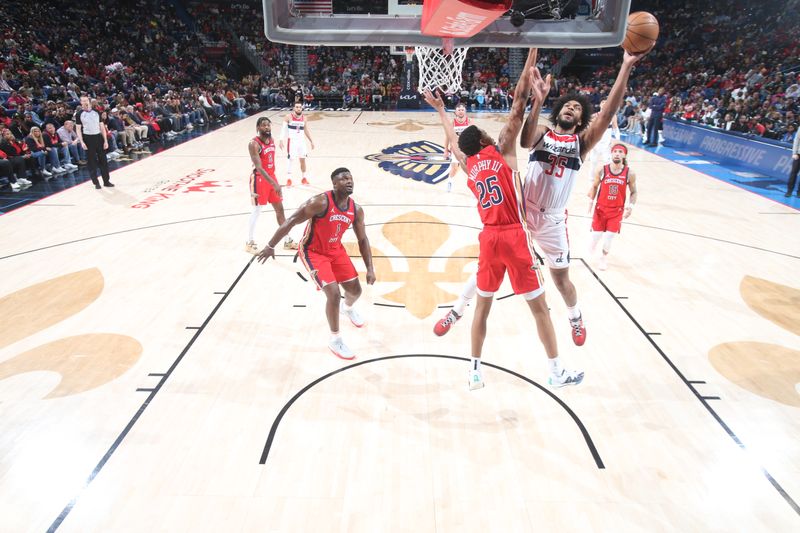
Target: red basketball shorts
335,267
506,248
607,219
261,191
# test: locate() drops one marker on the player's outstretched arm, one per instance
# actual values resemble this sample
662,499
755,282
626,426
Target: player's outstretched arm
312,207
634,193
507,140
449,131
540,88
363,244
253,149
592,194
601,121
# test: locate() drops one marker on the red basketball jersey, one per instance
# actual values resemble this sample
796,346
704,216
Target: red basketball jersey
266,151
460,126
613,188
496,186
323,233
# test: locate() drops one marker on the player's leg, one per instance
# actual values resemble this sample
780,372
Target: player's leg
345,273
303,173
256,200
491,272
452,316
526,280
793,178
613,227
289,159
550,233
333,299
453,172
280,217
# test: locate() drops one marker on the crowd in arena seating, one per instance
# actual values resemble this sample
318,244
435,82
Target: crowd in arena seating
143,69
731,64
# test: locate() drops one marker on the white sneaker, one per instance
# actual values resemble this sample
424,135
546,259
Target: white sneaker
70,166
353,315
15,187
59,170
46,173
250,247
475,379
340,349
567,377
24,181
601,263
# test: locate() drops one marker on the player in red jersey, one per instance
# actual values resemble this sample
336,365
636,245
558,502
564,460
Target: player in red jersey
321,251
505,243
264,187
460,123
610,187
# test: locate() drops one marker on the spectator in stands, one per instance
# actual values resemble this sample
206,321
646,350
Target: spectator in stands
58,153
17,152
38,151
67,134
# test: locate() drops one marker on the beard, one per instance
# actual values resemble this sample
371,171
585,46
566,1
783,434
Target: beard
566,124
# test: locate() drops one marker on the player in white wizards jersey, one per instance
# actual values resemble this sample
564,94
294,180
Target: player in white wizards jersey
460,123
556,157
295,128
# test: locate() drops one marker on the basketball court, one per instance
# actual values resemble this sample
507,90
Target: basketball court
155,377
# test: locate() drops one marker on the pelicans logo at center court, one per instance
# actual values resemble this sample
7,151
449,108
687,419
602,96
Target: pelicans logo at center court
419,161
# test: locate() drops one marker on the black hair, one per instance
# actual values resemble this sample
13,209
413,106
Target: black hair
261,120
339,171
469,142
586,109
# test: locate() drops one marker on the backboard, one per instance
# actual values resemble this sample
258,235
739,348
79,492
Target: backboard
306,22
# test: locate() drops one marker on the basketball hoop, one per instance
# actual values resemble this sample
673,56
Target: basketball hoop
440,67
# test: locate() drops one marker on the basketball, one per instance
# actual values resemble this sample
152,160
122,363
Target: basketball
642,32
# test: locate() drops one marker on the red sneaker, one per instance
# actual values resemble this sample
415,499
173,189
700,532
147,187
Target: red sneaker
289,182
304,181
578,330
444,325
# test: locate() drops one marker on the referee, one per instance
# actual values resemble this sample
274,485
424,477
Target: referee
94,139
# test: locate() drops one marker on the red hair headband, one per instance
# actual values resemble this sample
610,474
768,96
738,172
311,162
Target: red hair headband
621,147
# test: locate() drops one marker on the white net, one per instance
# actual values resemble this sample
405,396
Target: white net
440,70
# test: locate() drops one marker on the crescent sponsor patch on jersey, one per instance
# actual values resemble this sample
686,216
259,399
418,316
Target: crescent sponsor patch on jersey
419,160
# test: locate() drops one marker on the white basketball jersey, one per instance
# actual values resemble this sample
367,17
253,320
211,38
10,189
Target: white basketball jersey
297,126
553,168
460,126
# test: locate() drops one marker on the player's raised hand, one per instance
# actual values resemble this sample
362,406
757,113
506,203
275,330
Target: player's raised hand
540,88
631,59
434,101
265,254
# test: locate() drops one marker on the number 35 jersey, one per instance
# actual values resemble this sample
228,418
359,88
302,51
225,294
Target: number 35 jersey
497,188
552,172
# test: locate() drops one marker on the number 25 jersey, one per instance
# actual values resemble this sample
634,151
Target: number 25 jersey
496,186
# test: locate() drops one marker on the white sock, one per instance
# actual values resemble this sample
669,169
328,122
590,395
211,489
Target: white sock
555,366
335,336
596,235
573,312
344,307
467,294
474,363
251,230
608,237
